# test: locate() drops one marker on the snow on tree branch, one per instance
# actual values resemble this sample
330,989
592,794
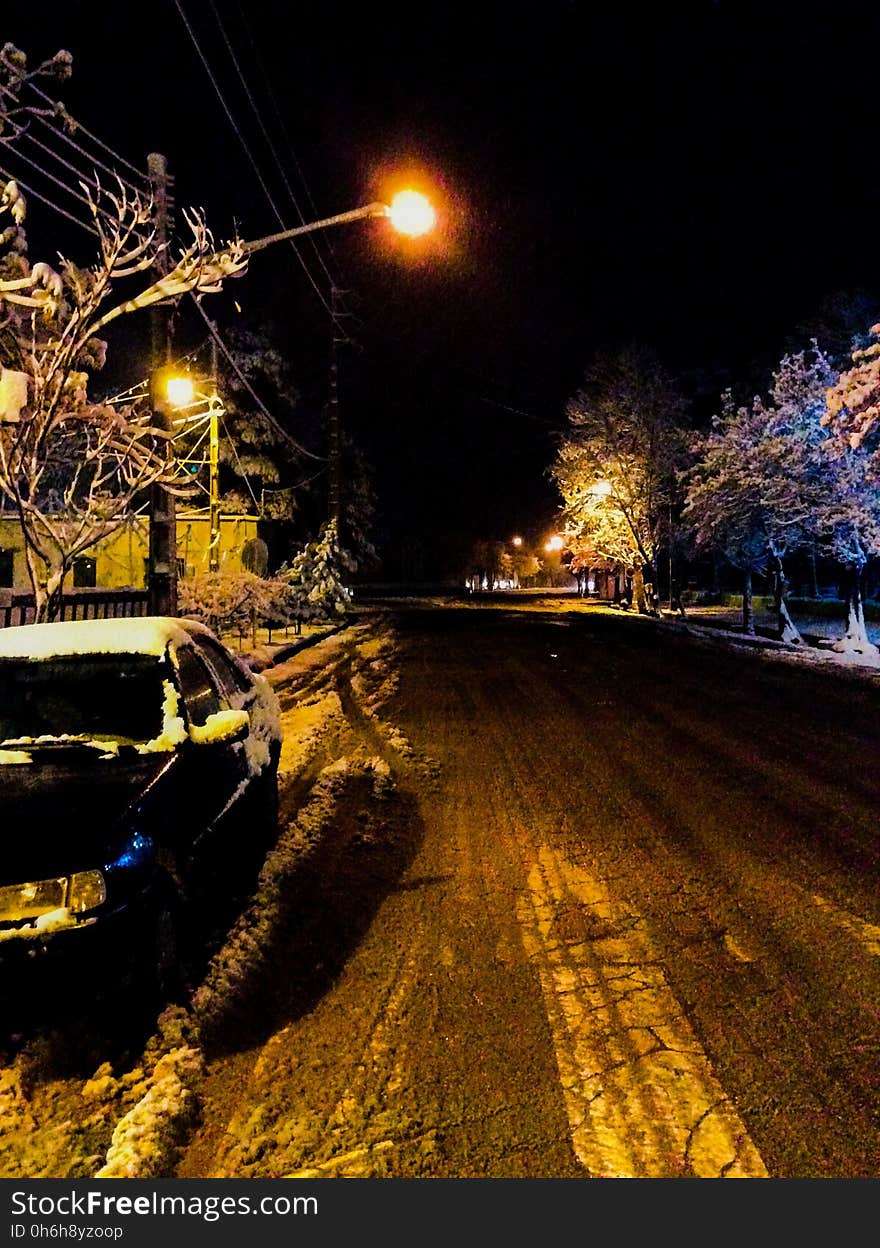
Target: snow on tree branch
853,403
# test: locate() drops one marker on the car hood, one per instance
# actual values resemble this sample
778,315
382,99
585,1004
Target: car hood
64,811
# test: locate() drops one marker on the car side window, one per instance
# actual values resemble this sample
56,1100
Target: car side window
197,687
230,677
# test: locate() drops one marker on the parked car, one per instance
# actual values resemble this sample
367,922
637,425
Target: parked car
138,767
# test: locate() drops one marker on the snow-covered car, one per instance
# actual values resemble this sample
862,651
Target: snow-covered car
138,768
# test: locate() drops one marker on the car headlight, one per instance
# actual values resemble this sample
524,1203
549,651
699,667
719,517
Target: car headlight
87,890
75,893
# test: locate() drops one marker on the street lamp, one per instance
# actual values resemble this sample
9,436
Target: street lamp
409,213
182,394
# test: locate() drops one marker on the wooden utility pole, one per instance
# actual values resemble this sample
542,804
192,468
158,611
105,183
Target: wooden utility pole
162,574
334,440
214,466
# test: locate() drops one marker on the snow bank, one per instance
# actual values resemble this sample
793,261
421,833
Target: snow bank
147,1139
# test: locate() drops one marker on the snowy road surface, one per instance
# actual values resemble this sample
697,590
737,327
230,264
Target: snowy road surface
553,896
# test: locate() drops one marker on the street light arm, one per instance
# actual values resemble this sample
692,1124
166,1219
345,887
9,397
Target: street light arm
375,209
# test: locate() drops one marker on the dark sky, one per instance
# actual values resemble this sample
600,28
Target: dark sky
699,177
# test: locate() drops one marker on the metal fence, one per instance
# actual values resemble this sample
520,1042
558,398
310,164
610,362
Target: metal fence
17,607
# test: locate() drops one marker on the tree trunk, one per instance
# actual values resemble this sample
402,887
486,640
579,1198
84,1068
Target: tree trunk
856,640
34,567
814,574
640,602
748,610
785,625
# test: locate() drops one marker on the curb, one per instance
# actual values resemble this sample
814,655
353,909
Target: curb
288,649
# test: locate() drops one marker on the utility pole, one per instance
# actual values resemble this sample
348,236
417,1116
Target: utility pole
334,441
162,574
214,467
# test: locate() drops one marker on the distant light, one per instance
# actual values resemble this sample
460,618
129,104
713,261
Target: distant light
179,391
517,541
411,213
600,489
555,543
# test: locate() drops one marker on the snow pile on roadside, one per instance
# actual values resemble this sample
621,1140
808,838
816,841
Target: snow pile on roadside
146,1140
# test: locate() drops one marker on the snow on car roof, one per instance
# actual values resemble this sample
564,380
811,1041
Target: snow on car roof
142,634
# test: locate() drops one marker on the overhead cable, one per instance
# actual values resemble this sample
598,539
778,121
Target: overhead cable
50,203
279,429
249,155
80,128
268,139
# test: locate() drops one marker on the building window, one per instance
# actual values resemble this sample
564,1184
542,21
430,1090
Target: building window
84,572
6,569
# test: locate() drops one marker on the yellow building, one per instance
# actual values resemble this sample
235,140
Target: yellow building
120,560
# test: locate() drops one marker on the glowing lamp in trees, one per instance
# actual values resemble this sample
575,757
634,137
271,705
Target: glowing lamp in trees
411,213
179,391
554,545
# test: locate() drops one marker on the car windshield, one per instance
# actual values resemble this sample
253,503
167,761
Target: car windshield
93,695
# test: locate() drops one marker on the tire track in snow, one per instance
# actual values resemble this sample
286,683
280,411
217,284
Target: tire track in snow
641,1096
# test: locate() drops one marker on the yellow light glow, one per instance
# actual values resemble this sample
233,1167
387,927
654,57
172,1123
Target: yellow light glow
517,541
179,391
555,543
600,489
411,213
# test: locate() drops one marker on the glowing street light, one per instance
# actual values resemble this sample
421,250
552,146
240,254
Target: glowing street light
600,489
411,213
555,543
179,391
517,541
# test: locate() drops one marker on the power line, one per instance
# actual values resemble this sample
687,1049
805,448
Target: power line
279,429
95,161
249,154
88,133
50,203
268,138
83,199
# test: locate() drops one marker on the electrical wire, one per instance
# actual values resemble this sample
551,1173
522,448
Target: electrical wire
94,161
241,471
50,203
83,199
279,429
250,156
268,139
100,142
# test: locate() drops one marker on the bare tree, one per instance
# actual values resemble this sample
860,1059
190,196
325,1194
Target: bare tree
73,470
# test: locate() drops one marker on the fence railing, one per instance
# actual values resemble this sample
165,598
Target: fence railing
17,606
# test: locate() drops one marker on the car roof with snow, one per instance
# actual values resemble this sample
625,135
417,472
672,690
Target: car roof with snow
133,635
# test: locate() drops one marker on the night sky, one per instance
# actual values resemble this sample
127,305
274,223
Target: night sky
701,178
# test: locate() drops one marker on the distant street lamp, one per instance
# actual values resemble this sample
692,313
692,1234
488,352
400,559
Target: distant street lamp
409,213
555,543
517,541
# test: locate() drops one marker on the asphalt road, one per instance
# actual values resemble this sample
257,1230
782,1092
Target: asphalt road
640,931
